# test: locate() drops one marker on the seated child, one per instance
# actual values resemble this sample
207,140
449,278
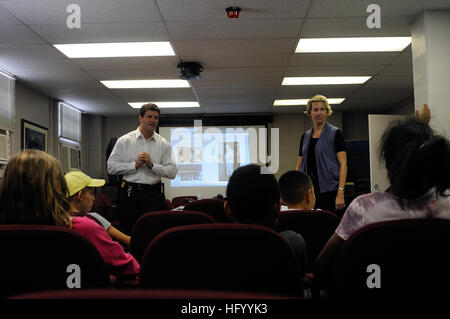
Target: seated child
254,198
33,190
297,191
81,199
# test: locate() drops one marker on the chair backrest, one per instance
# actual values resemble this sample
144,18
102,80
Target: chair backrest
169,204
150,294
182,200
212,207
103,205
412,256
227,257
316,227
151,224
36,257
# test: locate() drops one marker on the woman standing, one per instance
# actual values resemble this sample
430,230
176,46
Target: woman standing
323,157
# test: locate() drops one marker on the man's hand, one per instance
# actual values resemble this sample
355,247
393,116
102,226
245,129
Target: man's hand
139,161
146,159
425,116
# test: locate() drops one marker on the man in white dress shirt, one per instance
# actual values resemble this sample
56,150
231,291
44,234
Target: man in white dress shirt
142,157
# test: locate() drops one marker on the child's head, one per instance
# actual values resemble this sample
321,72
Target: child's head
297,189
253,197
33,191
417,159
81,190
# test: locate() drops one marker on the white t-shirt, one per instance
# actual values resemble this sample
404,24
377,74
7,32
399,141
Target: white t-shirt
377,207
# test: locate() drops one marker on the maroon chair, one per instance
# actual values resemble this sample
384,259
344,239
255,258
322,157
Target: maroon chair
316,227
412,255
151,224
182,200
169,204
105,207
211,206
226,257
36,257
89,294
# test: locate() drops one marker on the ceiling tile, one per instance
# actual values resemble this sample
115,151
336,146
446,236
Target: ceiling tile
215,9
232,47
151,64
7,18
105,32
18,34
308,91
355,27
142,95
22,68
339,70
98,11
248,60
358,8
335,59
36,52
243,29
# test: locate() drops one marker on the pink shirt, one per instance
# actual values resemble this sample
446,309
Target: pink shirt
377,207
118,261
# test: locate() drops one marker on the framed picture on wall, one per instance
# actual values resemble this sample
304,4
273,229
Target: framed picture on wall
34,136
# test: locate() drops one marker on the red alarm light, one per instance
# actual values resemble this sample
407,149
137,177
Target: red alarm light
233,12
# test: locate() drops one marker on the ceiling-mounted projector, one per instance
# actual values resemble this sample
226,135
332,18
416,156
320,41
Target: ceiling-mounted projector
190,70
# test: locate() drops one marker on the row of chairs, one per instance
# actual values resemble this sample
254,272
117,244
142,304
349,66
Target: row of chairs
409,258
316,227
222,257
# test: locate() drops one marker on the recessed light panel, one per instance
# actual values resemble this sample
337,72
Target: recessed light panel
137,105
324,80
304,101
373,44
145,84
109,50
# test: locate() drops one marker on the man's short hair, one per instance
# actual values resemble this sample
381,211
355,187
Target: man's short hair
149,107
293,186
252,196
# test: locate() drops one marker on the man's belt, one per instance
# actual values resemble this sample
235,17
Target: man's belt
154,187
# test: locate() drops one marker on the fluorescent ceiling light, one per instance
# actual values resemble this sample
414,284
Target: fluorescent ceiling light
145,84
121,49
324,80
374,44
137,105
304,101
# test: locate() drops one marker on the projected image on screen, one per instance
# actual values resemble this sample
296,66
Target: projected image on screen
209,157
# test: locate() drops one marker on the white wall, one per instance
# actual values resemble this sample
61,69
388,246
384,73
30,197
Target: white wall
93,152
356,126
31,106
404,109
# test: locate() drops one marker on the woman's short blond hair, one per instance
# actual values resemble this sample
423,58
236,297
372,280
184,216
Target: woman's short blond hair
318,98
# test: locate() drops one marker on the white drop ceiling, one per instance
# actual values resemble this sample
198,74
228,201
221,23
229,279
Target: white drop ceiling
244,60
